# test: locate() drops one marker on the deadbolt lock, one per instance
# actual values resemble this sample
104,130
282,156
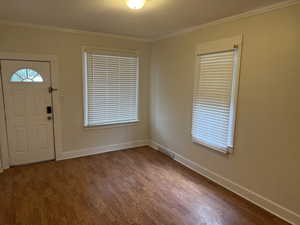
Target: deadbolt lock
49,109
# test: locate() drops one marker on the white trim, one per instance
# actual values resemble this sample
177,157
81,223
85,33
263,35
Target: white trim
1,168
4,153
74,31
206,145
55,98
257,199
138,88
110,51
235,90
220,45
85,88
250,13
103,149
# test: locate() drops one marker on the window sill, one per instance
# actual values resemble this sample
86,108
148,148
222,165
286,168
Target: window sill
211,147
114,125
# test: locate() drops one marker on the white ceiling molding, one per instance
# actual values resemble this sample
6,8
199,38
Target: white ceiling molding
250,13
74,31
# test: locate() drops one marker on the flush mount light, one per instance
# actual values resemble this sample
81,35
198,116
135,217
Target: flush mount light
136,4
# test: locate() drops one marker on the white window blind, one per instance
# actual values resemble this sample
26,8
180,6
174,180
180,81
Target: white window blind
111,86
214,100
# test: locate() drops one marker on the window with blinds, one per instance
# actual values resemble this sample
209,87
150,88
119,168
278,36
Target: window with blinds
214,100
111,89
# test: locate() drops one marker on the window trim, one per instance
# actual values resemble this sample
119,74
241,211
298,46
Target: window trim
105,51
222,45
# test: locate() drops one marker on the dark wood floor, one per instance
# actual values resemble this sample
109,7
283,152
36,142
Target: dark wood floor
133,187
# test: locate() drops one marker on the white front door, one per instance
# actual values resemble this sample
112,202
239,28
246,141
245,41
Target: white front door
28,109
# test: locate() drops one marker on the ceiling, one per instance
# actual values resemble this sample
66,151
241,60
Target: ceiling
156,19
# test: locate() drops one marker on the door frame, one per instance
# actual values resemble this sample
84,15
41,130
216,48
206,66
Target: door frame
57,125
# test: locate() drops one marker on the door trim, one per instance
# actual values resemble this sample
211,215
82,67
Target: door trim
57,125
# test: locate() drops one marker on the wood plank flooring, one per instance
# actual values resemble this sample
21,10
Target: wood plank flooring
132,187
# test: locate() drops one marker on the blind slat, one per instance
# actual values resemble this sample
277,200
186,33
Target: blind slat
212,103
112,84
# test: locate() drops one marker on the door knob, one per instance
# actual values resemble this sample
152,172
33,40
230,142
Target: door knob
49,118
51,89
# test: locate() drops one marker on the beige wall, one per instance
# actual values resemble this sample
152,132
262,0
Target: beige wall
267,153
67,47
266,158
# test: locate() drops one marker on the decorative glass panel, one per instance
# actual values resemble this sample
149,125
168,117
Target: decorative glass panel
26,75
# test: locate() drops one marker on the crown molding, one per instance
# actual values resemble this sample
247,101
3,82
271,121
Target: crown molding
250,13
74,31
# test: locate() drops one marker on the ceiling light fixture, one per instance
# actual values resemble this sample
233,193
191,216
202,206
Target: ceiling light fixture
136,4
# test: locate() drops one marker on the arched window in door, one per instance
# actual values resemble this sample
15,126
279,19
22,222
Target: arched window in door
26,75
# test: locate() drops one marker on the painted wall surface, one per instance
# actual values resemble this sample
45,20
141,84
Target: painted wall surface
67,47
266,157
267,153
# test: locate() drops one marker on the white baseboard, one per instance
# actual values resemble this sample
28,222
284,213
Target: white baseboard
4,166
102,149
257,199
1,167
